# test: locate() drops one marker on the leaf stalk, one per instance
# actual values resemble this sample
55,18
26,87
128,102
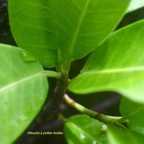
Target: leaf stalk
101,117
52,74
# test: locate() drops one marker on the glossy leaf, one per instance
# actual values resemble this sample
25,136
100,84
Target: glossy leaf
133,111
23,90
84,130
118,65
59,31
135,4
32,29
117,135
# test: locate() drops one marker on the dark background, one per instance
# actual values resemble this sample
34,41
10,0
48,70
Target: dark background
104,102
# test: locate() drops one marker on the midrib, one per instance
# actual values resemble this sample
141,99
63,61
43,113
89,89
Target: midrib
78,28
13,84
130,69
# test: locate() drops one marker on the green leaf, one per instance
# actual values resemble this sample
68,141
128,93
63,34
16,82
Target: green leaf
23,90
135,4
117,65
60,31
136,128
82,129
32,29
133,112
117,135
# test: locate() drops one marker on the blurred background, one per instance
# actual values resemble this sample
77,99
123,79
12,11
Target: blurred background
104,102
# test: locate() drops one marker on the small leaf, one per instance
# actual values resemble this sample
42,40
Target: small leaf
133,112
117,65
82,129
60,31
23,90
135,4
117,135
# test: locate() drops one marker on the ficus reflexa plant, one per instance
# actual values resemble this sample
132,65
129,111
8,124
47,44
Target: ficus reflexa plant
54,33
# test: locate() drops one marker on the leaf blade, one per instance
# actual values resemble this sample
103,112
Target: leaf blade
84,129
110,72
70,29
117,135
85,28
23,90
132,111
32,29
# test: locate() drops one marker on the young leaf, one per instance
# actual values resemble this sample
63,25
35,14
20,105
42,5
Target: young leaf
133,112
82,129
118,65
23,90
135,4
117,135
59,31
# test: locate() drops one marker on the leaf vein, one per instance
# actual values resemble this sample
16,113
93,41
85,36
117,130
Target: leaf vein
130,69
13,84
78,27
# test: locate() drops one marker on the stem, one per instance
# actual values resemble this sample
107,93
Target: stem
52,74
101,117
59,91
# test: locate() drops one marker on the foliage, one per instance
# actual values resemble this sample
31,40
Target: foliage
23,90
119,65
54,34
